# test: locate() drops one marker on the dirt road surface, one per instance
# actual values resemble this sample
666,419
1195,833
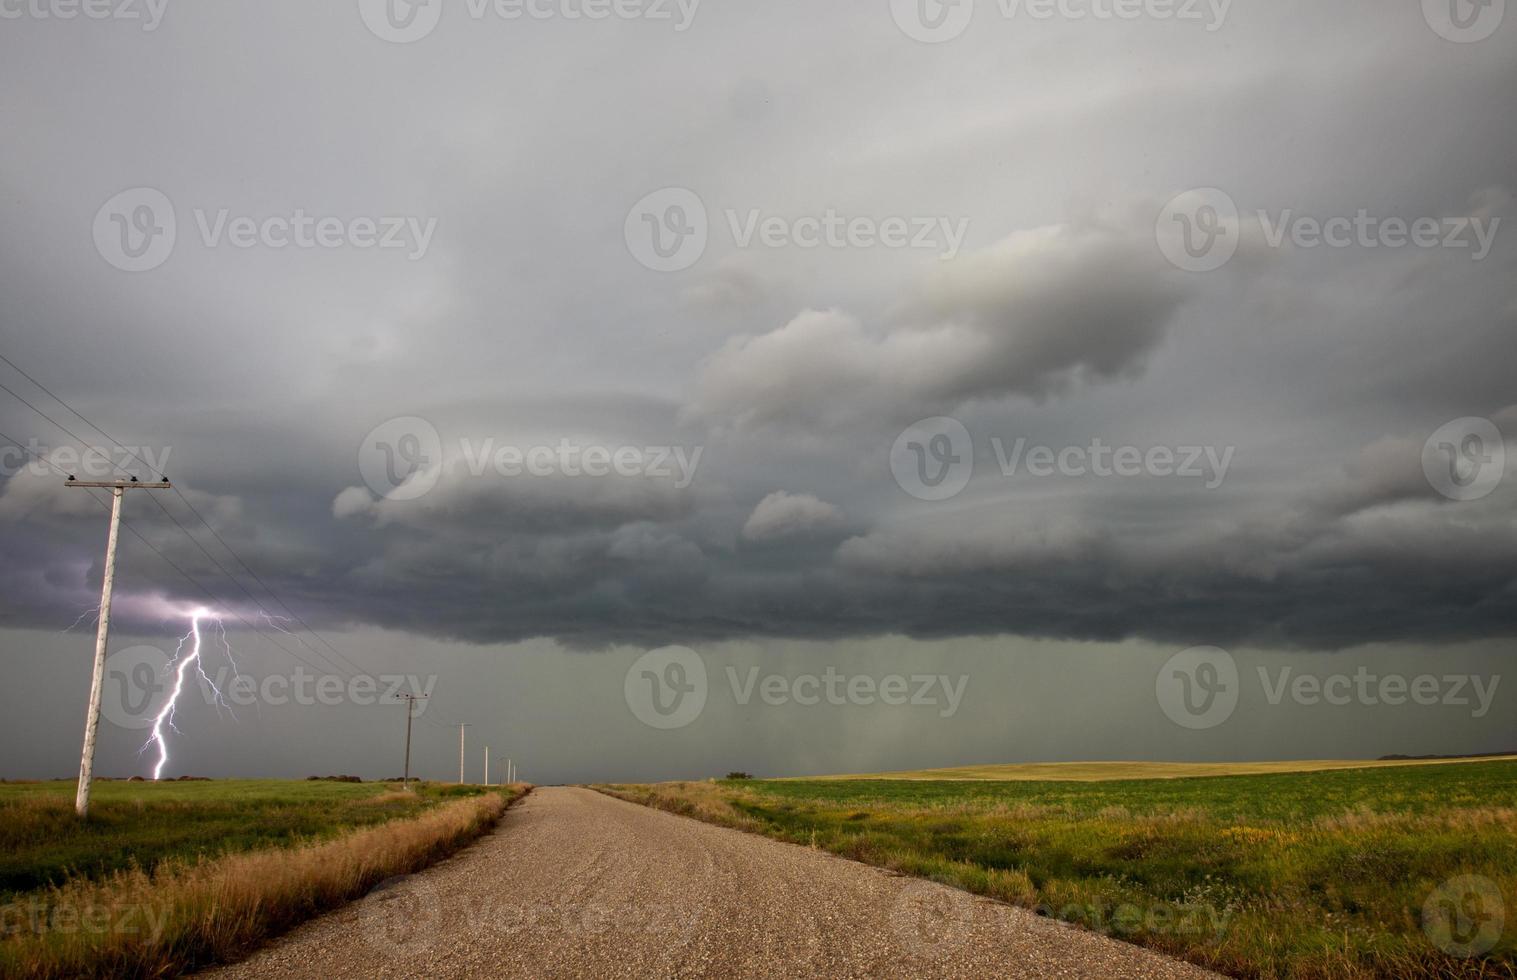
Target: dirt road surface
577,884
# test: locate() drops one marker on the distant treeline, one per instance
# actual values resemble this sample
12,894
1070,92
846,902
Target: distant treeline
1420,758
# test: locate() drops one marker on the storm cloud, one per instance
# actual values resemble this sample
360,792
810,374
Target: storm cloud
530,322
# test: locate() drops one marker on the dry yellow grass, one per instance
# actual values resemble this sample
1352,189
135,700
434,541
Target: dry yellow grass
187,915
1101,771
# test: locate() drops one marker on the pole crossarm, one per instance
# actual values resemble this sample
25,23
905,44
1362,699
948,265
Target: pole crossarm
118,484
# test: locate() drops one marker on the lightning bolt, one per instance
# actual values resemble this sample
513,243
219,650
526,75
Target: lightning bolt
91,611
180,666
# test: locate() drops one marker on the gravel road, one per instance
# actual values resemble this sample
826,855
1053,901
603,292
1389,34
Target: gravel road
577,884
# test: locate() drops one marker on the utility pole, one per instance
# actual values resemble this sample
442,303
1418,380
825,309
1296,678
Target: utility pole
510,771
409,699
118,490
461,753
487,765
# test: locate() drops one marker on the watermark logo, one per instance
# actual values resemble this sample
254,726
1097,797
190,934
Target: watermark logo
1208,463
1161,919
936,21
1465,459
404,459
667,230
135,686
1198,230
135,231
933,459
931,921
405,21
666,688
305,689
1368,231
401,459
400,21
1464,21
401,916
1198,688
53,916
669,922
149,12
1465,916
97,462
932,21
1473,691
940,691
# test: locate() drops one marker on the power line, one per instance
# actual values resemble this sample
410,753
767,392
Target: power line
172,564
185,500
333,666
337,659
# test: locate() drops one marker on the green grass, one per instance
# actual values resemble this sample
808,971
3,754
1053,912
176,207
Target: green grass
1100,771
1310,874
142,824
168,878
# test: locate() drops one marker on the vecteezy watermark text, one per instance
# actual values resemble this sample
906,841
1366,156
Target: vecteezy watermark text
569,458
1200,230
147,12
934,459
405,21
936,21
403,459
137,230
1098,459
38,917
1200,688
669,230
934,690
99,462
668,688
139,680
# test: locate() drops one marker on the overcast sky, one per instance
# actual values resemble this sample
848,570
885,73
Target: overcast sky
1018,342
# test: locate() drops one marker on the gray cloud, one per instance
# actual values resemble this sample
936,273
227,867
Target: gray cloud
529,321
1037,313
782,514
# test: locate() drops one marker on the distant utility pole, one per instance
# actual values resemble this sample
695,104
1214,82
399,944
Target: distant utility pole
487,765
510,771
409,699
461,753
118,490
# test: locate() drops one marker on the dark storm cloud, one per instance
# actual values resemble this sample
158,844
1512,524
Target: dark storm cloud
792,370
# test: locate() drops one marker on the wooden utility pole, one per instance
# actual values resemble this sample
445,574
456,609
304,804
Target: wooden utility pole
461,753
409,699
118,490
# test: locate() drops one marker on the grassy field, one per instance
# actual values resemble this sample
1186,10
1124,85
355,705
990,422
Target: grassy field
1100,771
167,877
142,824
1321,874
